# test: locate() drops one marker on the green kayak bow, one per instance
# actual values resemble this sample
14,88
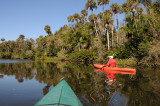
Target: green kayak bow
60,95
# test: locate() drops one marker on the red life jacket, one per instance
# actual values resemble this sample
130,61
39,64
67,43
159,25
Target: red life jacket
111,63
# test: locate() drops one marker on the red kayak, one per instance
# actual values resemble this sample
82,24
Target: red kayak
115,69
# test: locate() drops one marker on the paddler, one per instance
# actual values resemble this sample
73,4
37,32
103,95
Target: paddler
111,76
111,62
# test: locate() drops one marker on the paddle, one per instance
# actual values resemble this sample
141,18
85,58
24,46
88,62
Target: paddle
103,67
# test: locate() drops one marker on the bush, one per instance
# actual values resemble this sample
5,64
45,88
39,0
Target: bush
5,55
84,55
123,52
143,50
153,56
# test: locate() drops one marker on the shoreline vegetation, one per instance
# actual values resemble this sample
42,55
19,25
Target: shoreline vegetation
93,37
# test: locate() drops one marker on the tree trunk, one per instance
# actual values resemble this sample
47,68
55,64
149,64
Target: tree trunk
71,25
108,39
95,27
117,30
113,26
112,36
103,19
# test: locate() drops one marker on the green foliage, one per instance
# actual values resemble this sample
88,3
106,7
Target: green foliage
61,55
123,52
143,50
29,54
5,55
126,62
84,55
47,28
91,4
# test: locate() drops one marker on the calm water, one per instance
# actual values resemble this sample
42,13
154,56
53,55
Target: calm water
23,83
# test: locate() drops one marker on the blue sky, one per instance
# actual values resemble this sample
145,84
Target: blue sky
29,17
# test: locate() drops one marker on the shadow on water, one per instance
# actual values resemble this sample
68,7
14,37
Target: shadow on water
92,88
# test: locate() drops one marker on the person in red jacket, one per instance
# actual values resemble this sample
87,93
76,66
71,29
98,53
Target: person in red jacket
111,76
111,62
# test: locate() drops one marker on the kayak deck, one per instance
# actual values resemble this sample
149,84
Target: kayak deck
60,95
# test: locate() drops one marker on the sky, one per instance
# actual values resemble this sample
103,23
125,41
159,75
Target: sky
29,17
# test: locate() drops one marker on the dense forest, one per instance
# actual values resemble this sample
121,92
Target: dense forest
90,37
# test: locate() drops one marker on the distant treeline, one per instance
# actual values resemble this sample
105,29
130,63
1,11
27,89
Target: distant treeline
94,37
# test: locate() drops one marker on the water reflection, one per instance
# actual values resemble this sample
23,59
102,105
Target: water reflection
118,99
111,78
1,76
93,88
14,61
46,89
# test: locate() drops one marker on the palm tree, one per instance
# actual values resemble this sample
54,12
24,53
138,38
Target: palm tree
101,23
103,2
76,17
83,19
132,9
100,16
91,4
47,28
132,5
115,9
93,19
124,9
70,19
83,14
107,19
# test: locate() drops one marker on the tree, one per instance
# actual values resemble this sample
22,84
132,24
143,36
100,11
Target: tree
21,37
101,23
103,2
42,41
70,19
84,13
20,42
47,28
115,9
76,17
2,39
124,9
107,20
91,4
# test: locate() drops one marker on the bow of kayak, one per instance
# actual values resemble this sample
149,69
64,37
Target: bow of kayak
60,95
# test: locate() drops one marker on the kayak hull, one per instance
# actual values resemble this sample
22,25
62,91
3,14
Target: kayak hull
60,95
114,69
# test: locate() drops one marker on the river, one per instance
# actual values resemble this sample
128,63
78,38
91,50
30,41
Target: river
23,83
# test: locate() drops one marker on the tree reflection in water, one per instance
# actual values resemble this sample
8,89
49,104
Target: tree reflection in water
46,89
91,87
1,76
